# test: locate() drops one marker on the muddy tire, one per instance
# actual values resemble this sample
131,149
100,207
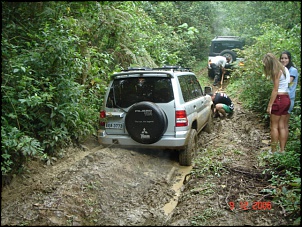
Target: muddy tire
210,125
146,122
187,154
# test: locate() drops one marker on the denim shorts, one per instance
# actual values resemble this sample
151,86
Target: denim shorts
281,105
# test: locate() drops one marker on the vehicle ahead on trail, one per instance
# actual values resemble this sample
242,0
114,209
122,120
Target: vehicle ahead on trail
225,46
162,108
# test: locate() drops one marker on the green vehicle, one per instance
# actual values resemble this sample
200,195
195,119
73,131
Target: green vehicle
225,46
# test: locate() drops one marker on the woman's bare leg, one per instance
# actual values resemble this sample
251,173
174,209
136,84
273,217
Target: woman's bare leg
283,131
286,128
274,119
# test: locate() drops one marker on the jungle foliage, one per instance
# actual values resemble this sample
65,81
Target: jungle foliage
57,58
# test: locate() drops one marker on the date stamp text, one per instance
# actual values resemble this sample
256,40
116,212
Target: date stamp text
245,205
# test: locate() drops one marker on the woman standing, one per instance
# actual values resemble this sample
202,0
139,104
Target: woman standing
286,60
279,102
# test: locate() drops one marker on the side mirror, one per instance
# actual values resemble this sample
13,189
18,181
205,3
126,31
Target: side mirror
207,90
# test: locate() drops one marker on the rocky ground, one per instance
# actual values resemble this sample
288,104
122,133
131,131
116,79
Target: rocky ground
95,185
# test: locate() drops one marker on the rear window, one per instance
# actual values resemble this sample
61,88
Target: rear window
220,46
125,92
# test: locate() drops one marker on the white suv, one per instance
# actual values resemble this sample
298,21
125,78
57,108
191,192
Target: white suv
163,108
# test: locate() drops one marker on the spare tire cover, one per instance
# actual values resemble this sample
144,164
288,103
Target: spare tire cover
146,122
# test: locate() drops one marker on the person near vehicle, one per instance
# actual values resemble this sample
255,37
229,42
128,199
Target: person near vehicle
286,60
216,64
279,102
222,104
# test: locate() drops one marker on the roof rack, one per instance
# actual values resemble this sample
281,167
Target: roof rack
173,68
165,67
227,37
137,69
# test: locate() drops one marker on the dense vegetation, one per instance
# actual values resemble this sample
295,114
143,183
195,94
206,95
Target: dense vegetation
57,58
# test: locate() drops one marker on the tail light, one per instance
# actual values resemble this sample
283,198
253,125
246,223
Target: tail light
102,117
181,118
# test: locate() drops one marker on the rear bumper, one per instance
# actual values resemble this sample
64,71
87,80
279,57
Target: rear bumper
166,142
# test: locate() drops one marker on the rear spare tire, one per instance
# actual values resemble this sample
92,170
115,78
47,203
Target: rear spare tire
229,53
146,122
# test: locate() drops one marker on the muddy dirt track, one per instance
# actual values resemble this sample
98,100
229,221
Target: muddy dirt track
94,185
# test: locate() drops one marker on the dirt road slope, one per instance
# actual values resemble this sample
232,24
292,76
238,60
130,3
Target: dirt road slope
114,186
227,182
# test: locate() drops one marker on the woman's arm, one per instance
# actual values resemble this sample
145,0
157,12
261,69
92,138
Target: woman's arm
274,92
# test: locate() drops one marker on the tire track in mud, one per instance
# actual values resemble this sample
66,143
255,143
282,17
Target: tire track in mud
101,186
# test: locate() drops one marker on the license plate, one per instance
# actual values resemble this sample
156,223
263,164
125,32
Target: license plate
114,125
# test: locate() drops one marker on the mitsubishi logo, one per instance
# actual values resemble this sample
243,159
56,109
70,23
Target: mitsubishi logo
144,134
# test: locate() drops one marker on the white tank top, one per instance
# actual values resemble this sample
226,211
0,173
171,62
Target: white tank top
284,81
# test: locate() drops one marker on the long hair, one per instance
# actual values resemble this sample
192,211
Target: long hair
290,63
272,66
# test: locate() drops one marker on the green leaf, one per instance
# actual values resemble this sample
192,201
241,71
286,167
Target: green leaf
22,100
13,116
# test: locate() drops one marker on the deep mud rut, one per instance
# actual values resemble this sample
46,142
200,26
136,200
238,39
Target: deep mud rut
94,185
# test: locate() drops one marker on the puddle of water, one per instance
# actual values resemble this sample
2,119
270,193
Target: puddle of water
183,171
